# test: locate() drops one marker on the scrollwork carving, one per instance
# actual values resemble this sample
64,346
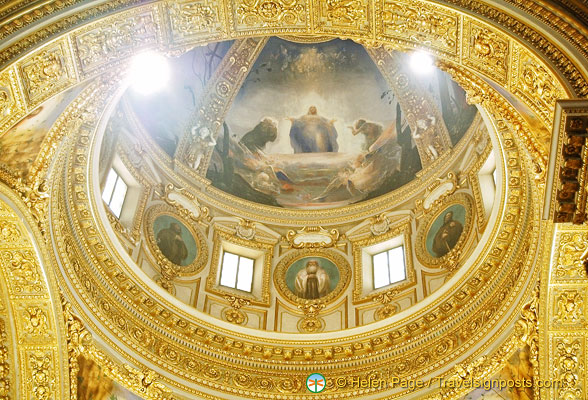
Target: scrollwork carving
431,25
192,18
271,12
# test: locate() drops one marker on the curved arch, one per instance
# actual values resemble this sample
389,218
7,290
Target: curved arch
31,299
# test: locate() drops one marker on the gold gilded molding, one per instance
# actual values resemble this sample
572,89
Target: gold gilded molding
224,235
11,103
339,16
396,228
80,342
425,24
532,81
98,45
46,72
313,237
486,50
564,316
288,15
195,20
33,325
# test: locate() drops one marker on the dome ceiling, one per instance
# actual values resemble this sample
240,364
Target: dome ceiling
303,159
312,125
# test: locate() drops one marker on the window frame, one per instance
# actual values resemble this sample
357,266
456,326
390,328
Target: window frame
389,267
114,190
239,258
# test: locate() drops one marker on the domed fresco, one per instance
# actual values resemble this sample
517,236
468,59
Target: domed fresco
312,125
251,199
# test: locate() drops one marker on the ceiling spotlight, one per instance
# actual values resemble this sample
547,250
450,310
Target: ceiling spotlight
421,62
149,72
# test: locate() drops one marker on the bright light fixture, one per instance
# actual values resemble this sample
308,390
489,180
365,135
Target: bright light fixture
149,72
421,62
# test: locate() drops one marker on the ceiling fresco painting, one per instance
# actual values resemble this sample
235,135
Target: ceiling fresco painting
358,189
94,384
165,115
297,137
519,369
21,144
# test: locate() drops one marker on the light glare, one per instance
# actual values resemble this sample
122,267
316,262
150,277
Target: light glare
421,62
149,72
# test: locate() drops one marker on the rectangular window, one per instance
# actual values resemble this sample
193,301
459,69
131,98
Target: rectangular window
389,267
237,272
115,191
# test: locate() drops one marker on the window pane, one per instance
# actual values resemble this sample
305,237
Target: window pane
397,267
109,186
118,197
245,277
229,270
381,277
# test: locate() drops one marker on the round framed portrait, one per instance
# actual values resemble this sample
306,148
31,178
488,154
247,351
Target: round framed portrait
312,275
445,230
172,240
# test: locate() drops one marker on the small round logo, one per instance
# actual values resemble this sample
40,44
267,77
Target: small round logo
316,383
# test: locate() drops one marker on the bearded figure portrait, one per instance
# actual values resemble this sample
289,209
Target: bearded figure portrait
446,230
447,236
174,240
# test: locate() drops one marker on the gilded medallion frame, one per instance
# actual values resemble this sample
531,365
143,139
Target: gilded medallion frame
455,254
182,270
295,255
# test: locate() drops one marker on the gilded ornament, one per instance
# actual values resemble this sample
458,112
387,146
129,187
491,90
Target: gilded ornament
23,272
570,308
37,322
487,51
569,367
568,264
250,13
234,316
313,237
46,72
99,44
190,19
379,224
245,229
430,25
311,324
40,364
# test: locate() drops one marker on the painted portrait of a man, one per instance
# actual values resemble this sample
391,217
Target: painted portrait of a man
447,236
171,243
312,282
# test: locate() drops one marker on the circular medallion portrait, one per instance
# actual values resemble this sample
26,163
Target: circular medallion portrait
445,230
312,275
173,240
